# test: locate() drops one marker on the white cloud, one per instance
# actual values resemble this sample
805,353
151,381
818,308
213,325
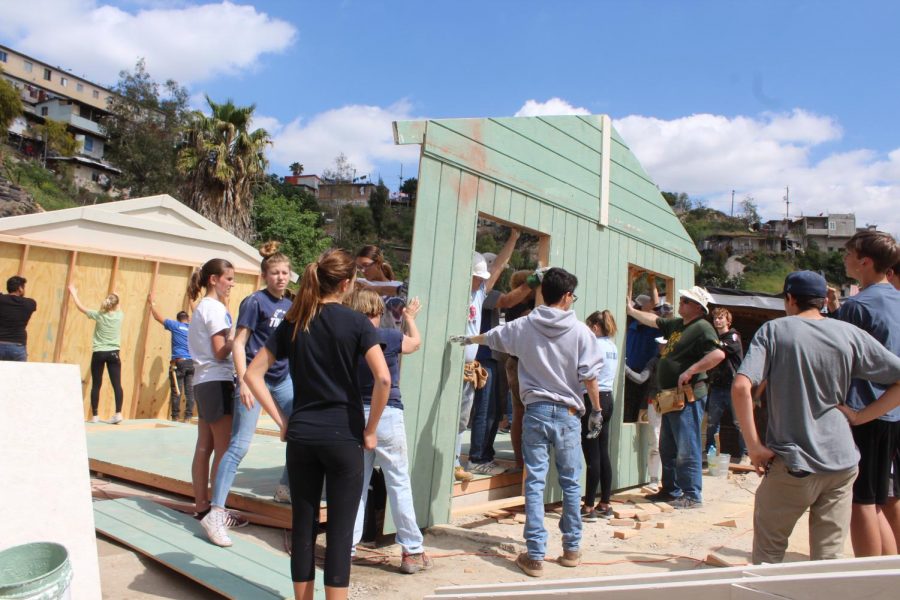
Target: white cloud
552,107
363,133
188,43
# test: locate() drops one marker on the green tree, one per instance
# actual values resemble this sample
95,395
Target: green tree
355,227
277,217
10,105
296,169
145,123
56,137
679,201
273,184
221,160
410,187
343,171
379,198
750,212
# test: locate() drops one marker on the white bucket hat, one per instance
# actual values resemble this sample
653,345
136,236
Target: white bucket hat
698,295
479,266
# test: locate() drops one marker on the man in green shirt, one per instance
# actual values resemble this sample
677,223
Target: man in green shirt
692,349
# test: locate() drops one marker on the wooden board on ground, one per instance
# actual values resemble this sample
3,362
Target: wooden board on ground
245,570
160,455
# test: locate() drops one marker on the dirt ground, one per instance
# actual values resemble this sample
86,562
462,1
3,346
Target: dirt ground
478,549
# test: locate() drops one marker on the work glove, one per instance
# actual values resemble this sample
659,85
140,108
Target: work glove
462,340
534,280
595,423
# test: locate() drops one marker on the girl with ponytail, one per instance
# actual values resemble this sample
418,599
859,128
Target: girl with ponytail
327,431
105,351
210,338
259,315
596,450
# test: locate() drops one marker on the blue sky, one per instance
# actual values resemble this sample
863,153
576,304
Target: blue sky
712,96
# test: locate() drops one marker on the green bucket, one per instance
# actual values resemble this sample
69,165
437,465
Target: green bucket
36,571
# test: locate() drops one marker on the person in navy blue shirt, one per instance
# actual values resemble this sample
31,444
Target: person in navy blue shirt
875,518
181,367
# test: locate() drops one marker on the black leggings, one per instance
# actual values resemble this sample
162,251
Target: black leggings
110,358
341,468
596,452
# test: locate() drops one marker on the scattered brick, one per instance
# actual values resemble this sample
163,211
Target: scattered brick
622,522
728,523
642,516
625,534
662,525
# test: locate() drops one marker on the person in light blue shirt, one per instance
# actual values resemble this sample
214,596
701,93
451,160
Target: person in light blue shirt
181,367
596,448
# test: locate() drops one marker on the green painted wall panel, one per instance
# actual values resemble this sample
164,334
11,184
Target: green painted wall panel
529,172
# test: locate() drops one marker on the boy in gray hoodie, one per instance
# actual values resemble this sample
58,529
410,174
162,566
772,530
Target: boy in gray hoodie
557,354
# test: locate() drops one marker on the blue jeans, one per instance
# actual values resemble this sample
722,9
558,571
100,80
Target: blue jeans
390,455
718,400
242,429
465,410
485,419
546,425
13,352
679,449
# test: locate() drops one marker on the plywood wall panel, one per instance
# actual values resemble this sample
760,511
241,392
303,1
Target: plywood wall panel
91,278
10,255
46,274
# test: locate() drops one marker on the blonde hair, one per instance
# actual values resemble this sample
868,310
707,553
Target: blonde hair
320,279
272,256
375,254
604,320
366,302
110,303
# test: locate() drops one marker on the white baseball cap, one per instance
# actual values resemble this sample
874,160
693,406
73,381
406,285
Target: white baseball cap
479,266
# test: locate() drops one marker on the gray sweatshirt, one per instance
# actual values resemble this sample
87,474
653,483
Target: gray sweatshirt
556,353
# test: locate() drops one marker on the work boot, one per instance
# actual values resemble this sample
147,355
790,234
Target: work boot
529,566
413,563
570,558
460,474
660,496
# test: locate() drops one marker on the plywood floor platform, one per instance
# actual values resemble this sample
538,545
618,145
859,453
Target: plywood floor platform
158,454
245,570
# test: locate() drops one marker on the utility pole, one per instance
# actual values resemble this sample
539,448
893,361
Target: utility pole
787,202
732,203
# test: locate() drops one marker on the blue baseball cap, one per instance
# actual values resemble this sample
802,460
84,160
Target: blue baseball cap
805,283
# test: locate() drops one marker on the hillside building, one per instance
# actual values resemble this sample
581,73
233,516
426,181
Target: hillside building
49,92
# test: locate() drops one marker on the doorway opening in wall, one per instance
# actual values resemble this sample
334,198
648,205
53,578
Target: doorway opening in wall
653,293
490,445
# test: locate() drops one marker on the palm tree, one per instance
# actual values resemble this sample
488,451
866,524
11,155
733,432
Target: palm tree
221,159
296,169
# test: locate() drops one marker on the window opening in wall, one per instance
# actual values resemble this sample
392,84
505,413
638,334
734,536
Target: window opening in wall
28,66
652,293
79,87
44,111
88,144
47,74
484,451
96,94
3,56
63,81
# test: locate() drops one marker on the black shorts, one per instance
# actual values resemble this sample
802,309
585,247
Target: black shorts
877,442
214,399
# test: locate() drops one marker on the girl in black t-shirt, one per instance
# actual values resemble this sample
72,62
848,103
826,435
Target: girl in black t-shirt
326,432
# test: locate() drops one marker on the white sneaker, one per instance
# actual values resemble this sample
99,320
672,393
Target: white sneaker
745,461
215,525
117,418
488,468
94,419
283,494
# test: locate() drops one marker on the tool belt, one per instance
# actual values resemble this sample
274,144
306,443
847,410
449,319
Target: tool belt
475,374
673,399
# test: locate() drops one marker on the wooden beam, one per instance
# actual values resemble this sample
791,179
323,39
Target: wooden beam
23,261
64,309
114,275
145,328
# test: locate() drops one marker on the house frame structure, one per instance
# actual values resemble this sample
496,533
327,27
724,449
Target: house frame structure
572,181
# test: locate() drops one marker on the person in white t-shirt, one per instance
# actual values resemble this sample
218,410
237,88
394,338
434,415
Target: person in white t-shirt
210,338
